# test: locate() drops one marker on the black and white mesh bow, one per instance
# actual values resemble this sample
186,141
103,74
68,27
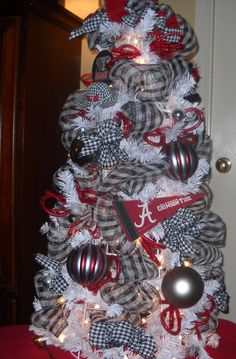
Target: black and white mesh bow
177,230
176,34
105,144
108,335
97,94
59,284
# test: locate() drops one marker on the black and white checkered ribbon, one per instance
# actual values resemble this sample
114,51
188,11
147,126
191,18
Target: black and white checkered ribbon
221,299
106,142
178,32
59,284
177,228
97,94
90,24
108,335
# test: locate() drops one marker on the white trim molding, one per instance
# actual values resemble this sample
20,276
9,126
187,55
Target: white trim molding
204,27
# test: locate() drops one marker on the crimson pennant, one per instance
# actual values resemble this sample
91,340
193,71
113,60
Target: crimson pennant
137,217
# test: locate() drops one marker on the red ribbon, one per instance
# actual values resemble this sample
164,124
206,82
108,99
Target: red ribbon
95,287
204,316
171,319
164,49
126,123
116,10
86,79
149,246
201,119
125,51
86,195
56,212
186,135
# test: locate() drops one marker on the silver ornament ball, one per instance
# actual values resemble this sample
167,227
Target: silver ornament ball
182,287
88,264
183,160
178,115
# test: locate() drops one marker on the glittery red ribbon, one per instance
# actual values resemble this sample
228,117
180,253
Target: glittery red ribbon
171,319
86,195
126,123
164,49
125,51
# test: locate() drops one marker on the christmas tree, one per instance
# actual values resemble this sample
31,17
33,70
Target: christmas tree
133,267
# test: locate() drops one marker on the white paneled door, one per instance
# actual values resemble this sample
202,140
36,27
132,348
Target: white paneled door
216,31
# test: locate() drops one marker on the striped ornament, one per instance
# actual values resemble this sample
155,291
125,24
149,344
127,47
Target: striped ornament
87,265
183,160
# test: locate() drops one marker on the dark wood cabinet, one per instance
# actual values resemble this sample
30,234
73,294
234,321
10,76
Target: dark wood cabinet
39,67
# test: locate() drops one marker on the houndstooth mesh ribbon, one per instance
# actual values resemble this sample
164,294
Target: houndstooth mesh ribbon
108,335
177,228
106,141
221,299
59,284
90,24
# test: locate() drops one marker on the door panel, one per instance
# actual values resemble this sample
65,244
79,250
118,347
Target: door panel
8,72
216,31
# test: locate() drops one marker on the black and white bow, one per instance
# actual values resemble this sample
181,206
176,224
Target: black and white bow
108,335
59,284
90,24
175,33
105,143
177,228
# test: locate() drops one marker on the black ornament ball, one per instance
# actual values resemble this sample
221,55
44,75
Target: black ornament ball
87,264
182,287
178,115
75,150
183,160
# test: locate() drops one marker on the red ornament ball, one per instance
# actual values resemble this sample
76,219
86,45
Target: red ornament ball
183,160
87,265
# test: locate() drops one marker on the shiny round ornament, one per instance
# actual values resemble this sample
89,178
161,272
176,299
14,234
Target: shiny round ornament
87,265
182,287
183,160
47,280
75,149
178,115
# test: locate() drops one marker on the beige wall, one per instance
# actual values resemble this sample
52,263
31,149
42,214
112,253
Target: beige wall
82,8
186,8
